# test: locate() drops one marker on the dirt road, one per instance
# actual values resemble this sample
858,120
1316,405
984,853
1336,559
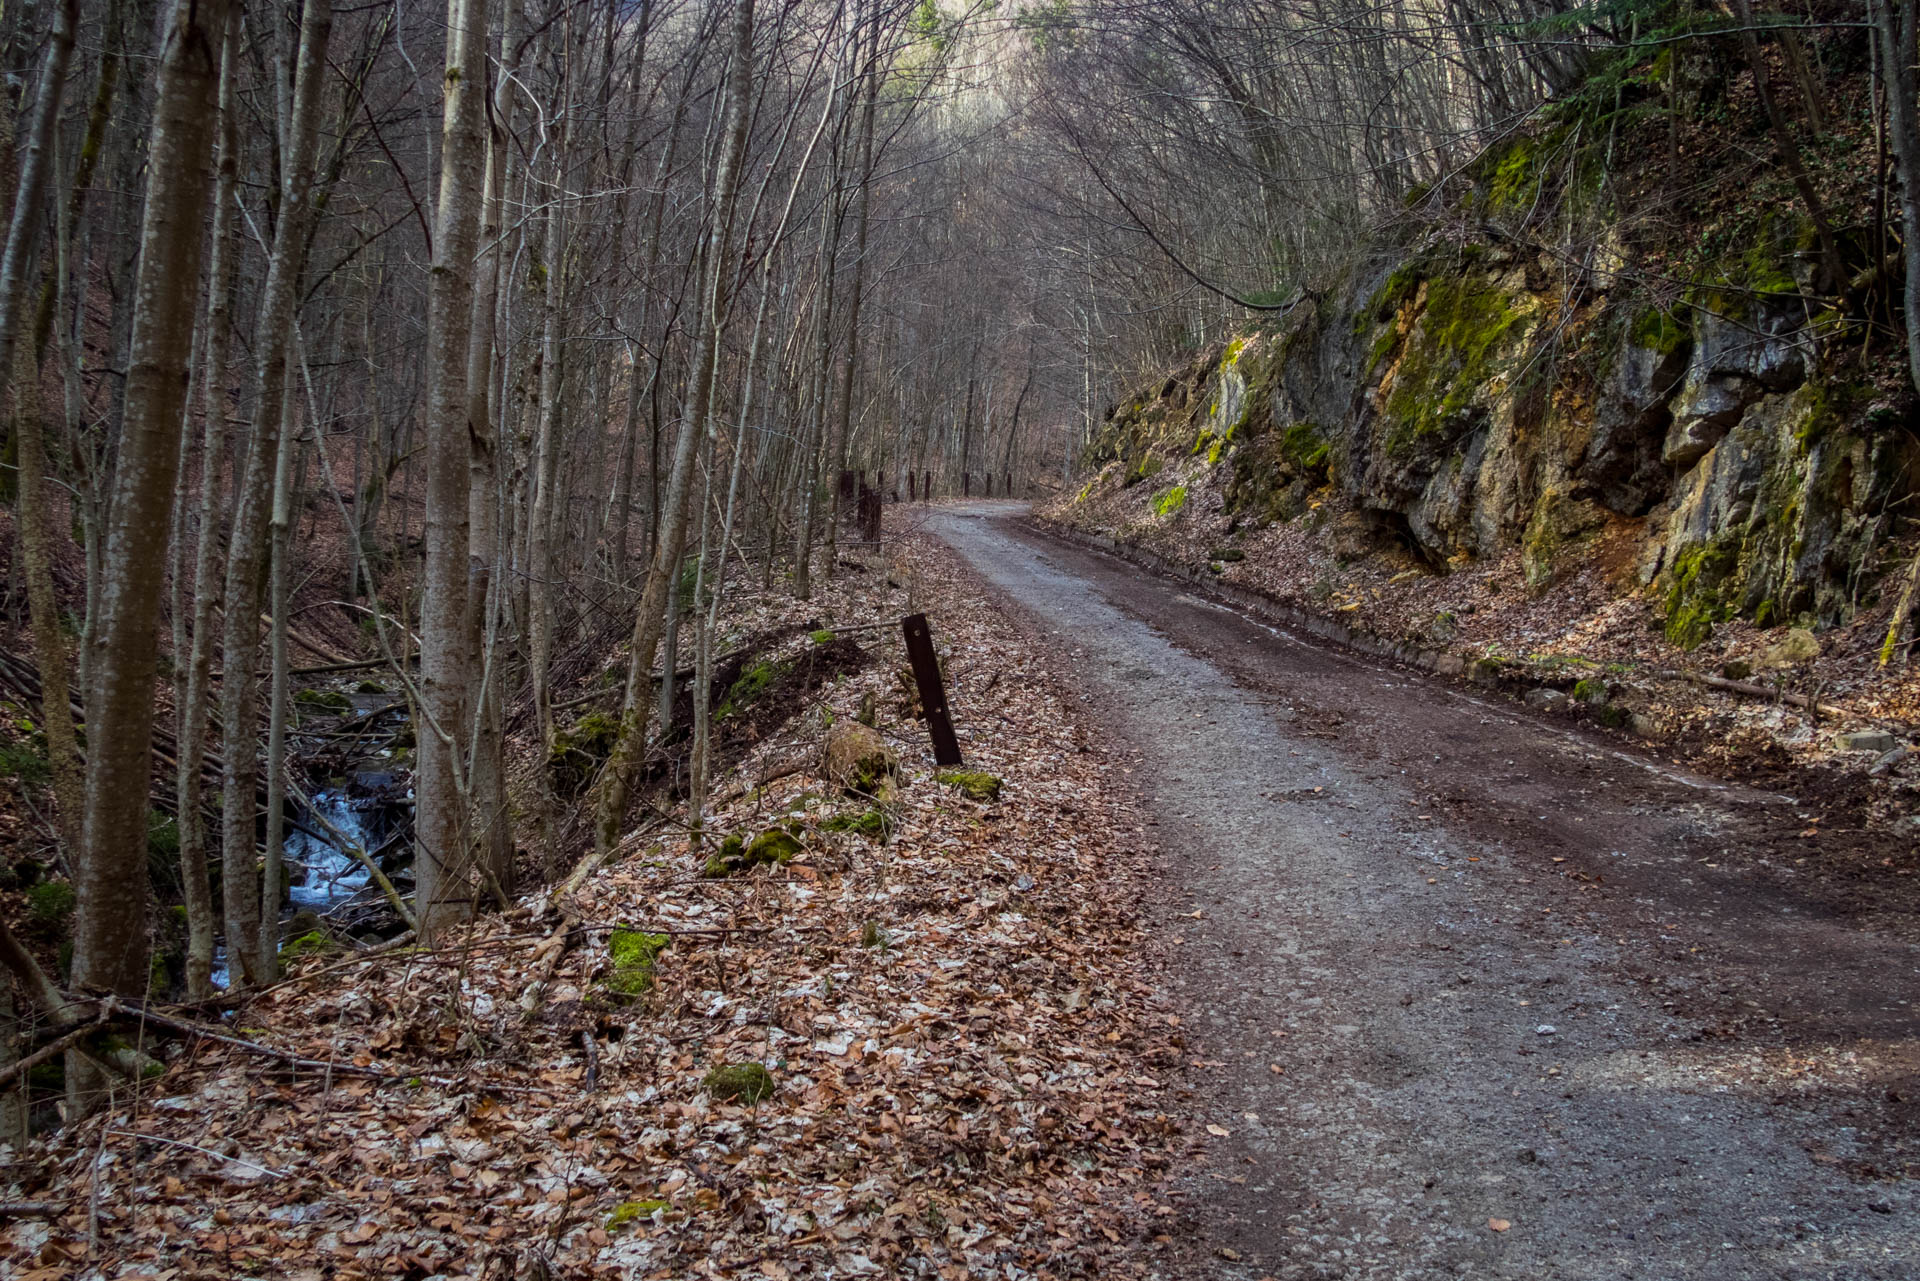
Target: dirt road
1474,993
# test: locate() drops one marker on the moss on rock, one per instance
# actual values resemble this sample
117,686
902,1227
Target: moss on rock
971,783
51,903
627,1213
632,953
1695,601
1451,354
737,854
578,752
739,1083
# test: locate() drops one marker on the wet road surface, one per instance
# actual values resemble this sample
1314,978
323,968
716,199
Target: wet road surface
1475,993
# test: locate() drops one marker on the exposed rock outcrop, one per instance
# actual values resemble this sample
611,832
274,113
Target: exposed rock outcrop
1475,398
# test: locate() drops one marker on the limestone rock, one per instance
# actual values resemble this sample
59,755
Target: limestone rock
1706,411
857,757
1865,740
1798,646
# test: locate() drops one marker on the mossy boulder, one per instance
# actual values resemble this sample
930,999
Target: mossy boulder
631,955
578,752
739,1083
857,758
736,854
972,784
326,700
311,943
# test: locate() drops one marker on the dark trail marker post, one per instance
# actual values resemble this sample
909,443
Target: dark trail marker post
933,694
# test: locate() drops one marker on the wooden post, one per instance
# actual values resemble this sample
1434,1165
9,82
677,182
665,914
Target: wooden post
933,694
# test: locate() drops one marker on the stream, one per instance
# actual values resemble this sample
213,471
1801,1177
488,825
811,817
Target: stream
365,800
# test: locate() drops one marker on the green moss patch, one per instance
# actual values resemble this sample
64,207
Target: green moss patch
872,823
739,1083
1450,356
50,903
632,953
756,681
627,1213
1171,501
1661,331
971,783
329,700
1695,601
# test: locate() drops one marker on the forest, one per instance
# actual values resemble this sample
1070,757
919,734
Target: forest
460,464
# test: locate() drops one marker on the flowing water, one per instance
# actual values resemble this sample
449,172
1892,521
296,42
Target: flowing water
321,875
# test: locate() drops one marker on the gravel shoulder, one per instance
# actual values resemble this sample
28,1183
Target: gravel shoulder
1465,992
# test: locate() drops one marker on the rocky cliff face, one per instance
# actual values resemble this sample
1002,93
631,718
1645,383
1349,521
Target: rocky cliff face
1484,397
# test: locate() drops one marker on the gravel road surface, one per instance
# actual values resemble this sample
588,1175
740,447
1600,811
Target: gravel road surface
1474,992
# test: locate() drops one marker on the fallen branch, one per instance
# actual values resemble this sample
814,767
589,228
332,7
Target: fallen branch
1756,691
195,1147
40,989
358,665
52,1049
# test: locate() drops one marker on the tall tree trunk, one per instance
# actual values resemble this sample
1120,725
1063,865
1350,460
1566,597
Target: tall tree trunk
1894,21
492,832
110,929
615,786
192,722
838,449
246,557
443,870
1832,270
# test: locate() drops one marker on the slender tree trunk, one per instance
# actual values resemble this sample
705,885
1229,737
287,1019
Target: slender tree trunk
273,861
110,930
34,158
615,786
546,480
17,269
246,557
443,871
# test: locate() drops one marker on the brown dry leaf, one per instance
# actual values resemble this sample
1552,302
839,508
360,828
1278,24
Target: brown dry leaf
1499,1225
1219,1131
